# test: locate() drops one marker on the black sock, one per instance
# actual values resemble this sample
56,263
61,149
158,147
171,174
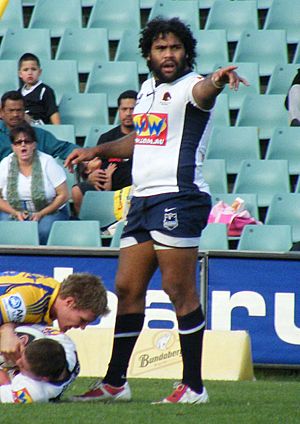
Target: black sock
127,330
191,330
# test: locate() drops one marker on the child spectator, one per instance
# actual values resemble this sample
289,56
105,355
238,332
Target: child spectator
40,102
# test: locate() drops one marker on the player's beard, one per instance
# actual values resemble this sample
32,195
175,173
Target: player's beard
159,74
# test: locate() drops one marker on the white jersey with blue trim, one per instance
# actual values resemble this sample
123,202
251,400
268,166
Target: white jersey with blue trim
23,389
171,138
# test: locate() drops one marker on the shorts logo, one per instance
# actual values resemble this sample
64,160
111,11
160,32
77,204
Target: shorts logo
170,220
151,128
14,302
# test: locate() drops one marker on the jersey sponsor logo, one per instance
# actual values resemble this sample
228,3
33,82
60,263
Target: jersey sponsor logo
21,396
151,128
15,308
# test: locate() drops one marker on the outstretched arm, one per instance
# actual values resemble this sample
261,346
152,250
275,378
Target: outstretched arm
207,90
121,148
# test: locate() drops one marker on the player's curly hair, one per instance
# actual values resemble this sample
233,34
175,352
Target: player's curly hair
161,26
87,290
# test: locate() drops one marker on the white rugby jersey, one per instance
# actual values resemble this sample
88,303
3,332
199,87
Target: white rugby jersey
172,133
24,389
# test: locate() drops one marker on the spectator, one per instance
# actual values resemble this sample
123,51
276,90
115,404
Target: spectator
13,114
40,102
293,101
120,174
47,365
33,186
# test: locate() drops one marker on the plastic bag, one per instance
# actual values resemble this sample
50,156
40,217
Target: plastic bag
235,216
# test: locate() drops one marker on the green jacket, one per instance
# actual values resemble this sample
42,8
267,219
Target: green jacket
46,142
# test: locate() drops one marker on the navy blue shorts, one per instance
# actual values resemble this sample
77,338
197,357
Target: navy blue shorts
172,219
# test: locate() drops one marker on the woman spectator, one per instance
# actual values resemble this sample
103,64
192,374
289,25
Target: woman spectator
32,185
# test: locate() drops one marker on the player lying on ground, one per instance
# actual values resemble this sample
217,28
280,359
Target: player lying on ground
47,365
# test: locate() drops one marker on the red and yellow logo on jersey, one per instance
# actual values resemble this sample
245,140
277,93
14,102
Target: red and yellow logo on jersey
151,128
22,396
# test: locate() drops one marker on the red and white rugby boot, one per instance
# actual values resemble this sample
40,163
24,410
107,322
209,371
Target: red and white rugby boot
106,393
184,394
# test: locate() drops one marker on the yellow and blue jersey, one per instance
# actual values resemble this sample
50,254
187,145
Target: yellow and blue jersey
26,297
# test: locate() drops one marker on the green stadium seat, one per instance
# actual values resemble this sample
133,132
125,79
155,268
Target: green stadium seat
284,209
85,45
265,111
267,238
284,14
75,233
264,177
98,205
285,144
56,15
16,42
12,17
112,78
83,110
116,16
258,46
214,172
281,78
94,134
233,144
211,48
214,237
233,16
61,75
23,233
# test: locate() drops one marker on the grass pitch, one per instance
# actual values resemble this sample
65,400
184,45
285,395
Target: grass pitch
271,399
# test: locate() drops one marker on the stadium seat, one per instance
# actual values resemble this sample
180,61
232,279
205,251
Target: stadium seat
214,172
19,233
83,110
284,209
258,46
115,240
56,15
265,111
75,233
116,16
233,16
267,238
61,75
214,237
285,144
250,200
205,4
264,177
9,79
98,205
284,14
65,132
233,144
146,4
188,11
264,4
128,50
94,134
211,48
249,71
85,45
281,78
12,17
221,111
112,78
16,42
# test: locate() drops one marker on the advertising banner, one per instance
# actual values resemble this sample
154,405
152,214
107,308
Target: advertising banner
260,295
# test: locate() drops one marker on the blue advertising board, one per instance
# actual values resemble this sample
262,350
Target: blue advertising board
260,295
159,310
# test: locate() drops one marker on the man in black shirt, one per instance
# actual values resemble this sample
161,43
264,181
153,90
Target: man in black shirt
121,177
